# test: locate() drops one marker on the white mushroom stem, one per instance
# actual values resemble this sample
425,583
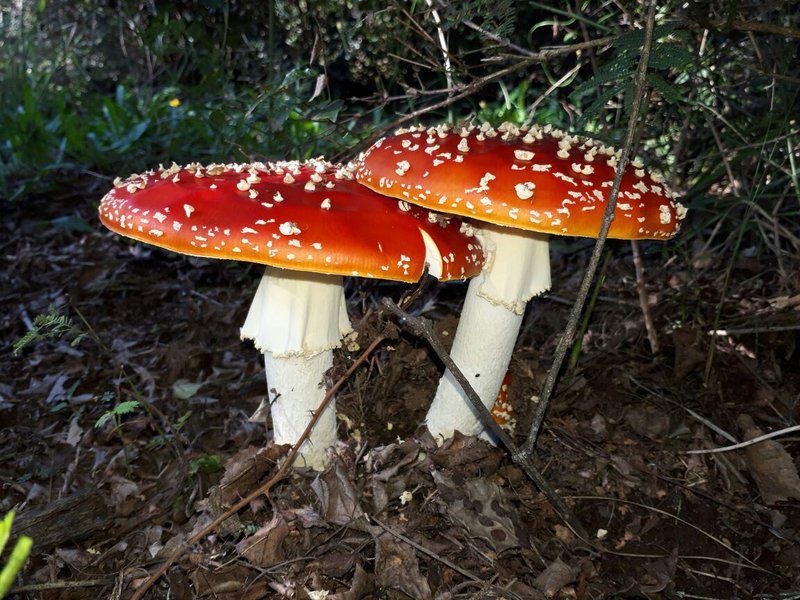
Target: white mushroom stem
296,319
517,269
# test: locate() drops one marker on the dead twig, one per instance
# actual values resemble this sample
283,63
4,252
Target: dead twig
264,489
421,327
448,69
62,585
755,440
751,330
424,550
757,27
574,316
469,89
643,303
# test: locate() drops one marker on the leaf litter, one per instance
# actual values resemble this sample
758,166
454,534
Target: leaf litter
393,516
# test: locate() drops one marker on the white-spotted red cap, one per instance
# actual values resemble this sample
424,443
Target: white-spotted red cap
538,178
502,409
304,216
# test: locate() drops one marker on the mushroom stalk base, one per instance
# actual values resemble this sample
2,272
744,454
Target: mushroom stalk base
295,391
296,319
519,268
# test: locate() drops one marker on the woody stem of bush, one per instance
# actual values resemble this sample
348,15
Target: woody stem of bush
634,122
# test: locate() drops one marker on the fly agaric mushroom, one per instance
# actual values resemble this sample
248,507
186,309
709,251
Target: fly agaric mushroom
311,224
502,409
523,184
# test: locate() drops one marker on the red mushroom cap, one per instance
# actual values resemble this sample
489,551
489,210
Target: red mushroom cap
304,216
502,409
538,179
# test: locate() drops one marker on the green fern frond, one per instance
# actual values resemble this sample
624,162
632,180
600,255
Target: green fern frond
498,17
597,105
49,325
123,408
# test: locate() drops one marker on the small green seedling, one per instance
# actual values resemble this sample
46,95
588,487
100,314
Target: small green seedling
123,408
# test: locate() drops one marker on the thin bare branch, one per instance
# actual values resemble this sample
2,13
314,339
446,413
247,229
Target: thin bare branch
464,91
500,41
572,323
422,327
641,289
426,551
755,440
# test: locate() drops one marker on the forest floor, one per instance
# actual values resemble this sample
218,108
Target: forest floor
105,505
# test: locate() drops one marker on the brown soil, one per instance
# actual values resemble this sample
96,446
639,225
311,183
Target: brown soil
670,525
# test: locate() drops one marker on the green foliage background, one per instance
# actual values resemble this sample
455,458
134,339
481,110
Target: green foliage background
90,88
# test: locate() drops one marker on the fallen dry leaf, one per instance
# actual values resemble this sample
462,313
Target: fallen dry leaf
208,582
265,547
648,421
479,506
397,567
688,354
770,465
360,587
660,573
336,494
468,451
557,575
243,470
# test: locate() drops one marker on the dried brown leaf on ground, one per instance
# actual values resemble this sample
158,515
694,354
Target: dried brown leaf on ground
390,469
335,562
689,354
659,574
265,547
361,586
479,506
648,421
470,453
554,578
771,466
397,567
227,583
208,582
336,494
244,469
212,507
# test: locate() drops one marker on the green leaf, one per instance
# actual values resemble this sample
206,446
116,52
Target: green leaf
45,326
129,138
672,94
72,223
182,421
596,106
211,463
617,70
103,418
18,556
123,408
329,111
5,529
185,389
670,56
217,119
634,40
